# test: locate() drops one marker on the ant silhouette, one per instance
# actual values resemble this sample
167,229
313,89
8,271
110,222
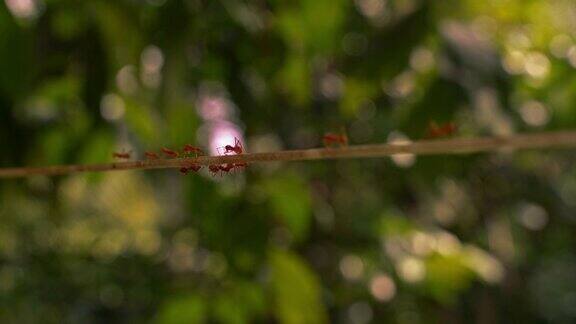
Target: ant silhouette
122,155
190,167
214,169
236,149
435,130
240,165
190,149
226,167
330,139
169,153
151,155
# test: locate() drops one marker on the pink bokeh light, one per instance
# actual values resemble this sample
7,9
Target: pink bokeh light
215,108
23,8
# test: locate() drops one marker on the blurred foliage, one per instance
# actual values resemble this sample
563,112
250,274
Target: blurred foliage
484,237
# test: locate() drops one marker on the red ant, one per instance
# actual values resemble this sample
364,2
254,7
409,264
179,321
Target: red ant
226,167
214,169
151,155
121,155
192,167
240,165
236,149
192,149
332,138
170,153
434,130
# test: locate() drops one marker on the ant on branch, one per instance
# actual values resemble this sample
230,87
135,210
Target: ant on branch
151,155
192,167
190,149
240,165
122,155
435,130
195,167
169,153
214,169
236,149
226,167
331,139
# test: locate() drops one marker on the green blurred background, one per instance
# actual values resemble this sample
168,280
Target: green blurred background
481,238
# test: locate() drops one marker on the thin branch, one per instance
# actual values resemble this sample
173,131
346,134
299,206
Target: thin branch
565,139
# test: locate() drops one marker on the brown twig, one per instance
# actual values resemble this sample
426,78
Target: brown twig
565,139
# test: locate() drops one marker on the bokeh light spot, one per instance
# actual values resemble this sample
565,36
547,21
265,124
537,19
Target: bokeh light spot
382,287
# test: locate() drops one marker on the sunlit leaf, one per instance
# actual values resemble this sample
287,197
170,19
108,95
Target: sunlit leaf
296,290
188,309
447,276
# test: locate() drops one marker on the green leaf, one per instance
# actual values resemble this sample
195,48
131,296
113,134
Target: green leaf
291,203
187,309
53,147
98,148
296,290
119,28
182,123
17,53
241,303
394,224
230,310
302,27
447,276
140,119
295,79
357,93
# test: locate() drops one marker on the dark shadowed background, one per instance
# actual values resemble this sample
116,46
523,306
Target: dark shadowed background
481,238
